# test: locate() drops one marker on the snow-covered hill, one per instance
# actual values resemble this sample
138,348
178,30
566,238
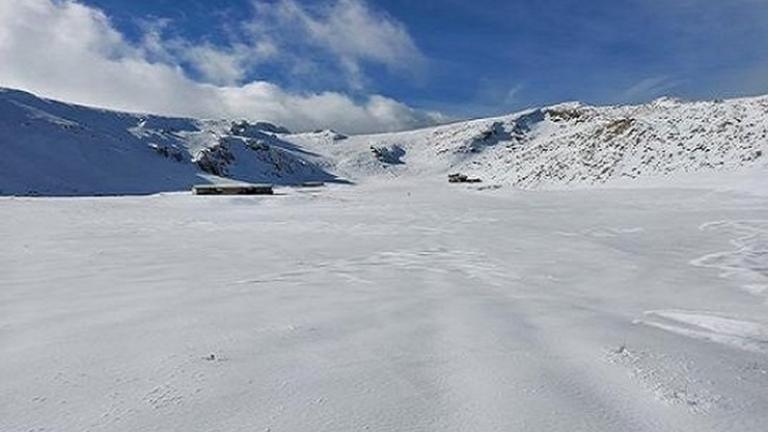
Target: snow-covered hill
571,144
52,148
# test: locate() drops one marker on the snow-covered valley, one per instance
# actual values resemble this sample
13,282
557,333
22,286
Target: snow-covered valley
609,273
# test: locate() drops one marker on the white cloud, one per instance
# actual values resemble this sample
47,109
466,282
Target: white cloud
217,66
221,65
67,50
314,111
512,94
649,87
347,29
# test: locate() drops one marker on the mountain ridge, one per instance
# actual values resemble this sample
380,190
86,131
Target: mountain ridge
54,148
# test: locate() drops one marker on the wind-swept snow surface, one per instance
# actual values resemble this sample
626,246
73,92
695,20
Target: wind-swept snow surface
386,307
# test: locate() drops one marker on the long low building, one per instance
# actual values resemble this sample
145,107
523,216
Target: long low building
233,189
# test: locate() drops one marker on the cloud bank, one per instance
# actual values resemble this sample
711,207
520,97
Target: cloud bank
70,51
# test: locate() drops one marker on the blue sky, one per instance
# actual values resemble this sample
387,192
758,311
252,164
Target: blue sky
456,57
481,52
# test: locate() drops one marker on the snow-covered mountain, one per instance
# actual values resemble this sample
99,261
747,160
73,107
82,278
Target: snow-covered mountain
572,143
52,148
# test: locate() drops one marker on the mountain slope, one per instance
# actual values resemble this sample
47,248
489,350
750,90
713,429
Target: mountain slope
52,148
571,144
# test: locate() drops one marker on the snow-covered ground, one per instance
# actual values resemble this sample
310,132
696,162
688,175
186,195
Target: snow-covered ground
386,306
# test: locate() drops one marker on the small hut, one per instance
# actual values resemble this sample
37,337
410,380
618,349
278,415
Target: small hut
312,184
462,178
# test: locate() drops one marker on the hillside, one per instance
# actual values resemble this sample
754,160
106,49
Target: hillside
572,144
52,148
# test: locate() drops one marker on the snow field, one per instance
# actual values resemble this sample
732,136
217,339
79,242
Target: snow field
384,306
